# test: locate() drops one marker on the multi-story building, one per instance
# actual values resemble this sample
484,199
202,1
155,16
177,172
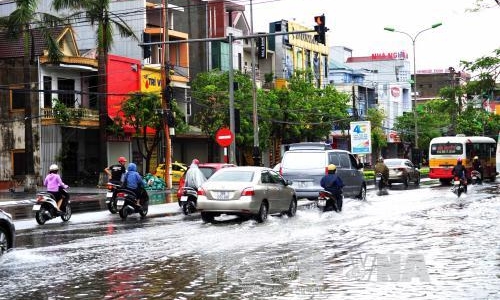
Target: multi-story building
67,136
381,80
296,52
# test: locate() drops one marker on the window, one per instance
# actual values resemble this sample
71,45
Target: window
17,98
333,158
18,158
67,96
345,162
47,95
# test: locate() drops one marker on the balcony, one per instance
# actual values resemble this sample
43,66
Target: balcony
78,117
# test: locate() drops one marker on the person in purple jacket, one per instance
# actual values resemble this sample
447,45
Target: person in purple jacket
54,184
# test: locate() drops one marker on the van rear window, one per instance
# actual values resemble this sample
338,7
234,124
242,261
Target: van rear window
303,160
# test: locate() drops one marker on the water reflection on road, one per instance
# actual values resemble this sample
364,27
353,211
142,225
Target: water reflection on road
419,243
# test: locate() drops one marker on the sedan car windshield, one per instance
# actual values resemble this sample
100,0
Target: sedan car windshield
231,175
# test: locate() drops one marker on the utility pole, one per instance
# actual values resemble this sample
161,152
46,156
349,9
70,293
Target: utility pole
256,149
166,94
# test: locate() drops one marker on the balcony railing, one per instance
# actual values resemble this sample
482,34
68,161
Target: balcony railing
78,116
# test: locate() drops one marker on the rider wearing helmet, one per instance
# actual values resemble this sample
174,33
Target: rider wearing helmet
476,165
460,171
116,171
54,184
381,167
331,181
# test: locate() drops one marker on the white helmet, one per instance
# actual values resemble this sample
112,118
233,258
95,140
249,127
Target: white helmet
53,167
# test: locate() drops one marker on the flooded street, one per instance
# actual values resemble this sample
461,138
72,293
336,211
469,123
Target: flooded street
418,243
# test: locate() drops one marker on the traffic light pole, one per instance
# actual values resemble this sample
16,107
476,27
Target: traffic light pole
230,39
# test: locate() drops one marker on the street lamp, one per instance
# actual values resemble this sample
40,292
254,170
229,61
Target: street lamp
413,39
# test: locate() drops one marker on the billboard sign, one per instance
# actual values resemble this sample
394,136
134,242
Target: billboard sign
361,140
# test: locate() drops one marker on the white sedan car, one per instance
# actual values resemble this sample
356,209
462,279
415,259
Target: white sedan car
246,191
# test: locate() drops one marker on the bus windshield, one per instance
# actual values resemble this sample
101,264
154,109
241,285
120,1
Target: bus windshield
447,149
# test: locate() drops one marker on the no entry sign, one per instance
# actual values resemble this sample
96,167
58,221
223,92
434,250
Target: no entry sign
224,137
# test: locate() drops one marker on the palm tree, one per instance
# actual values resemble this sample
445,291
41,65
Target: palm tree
98,14
22,23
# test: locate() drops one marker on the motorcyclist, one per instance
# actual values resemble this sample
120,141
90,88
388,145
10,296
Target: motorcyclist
194,176
460,171
54,184
133,181
381,167
476,165
332,183
115,172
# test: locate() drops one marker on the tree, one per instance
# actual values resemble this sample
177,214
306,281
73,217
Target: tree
379,140
142,111
302,112
98,14
21,23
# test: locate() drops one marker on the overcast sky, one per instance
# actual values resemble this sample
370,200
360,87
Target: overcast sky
359,25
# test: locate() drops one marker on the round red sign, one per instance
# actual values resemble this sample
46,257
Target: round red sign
224,137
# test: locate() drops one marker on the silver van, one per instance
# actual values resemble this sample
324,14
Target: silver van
305,168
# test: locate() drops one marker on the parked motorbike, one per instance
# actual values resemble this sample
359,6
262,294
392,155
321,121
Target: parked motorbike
458,186
381,185
111,197
126,203
328,201
476,177
45,207
188,200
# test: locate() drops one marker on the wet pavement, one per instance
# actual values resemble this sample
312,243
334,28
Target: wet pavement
421,243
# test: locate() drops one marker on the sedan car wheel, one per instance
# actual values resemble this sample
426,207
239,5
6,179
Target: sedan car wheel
293,208
4,241
262,215
417,181
207,217
406,181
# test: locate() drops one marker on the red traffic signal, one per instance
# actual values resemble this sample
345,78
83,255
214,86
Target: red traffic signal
320,29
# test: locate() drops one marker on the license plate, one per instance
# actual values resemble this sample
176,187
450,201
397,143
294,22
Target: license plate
222,195
303,184
457,182
109,194
36,207
184,198
321,202
119,202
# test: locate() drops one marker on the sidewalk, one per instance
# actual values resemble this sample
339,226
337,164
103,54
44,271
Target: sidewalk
19,204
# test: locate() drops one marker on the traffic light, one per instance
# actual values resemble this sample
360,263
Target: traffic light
320,29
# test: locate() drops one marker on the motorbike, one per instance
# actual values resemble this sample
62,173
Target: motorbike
475,176
45,207
458,186
188,200
110,197
381,185
126,203
328,201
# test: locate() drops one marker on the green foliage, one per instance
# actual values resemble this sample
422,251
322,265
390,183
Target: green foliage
379,140
65,115
142,110
303,112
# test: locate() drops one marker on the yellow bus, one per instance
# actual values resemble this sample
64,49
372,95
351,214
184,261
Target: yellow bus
444,152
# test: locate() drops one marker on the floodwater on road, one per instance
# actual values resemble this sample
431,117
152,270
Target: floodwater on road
420,243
